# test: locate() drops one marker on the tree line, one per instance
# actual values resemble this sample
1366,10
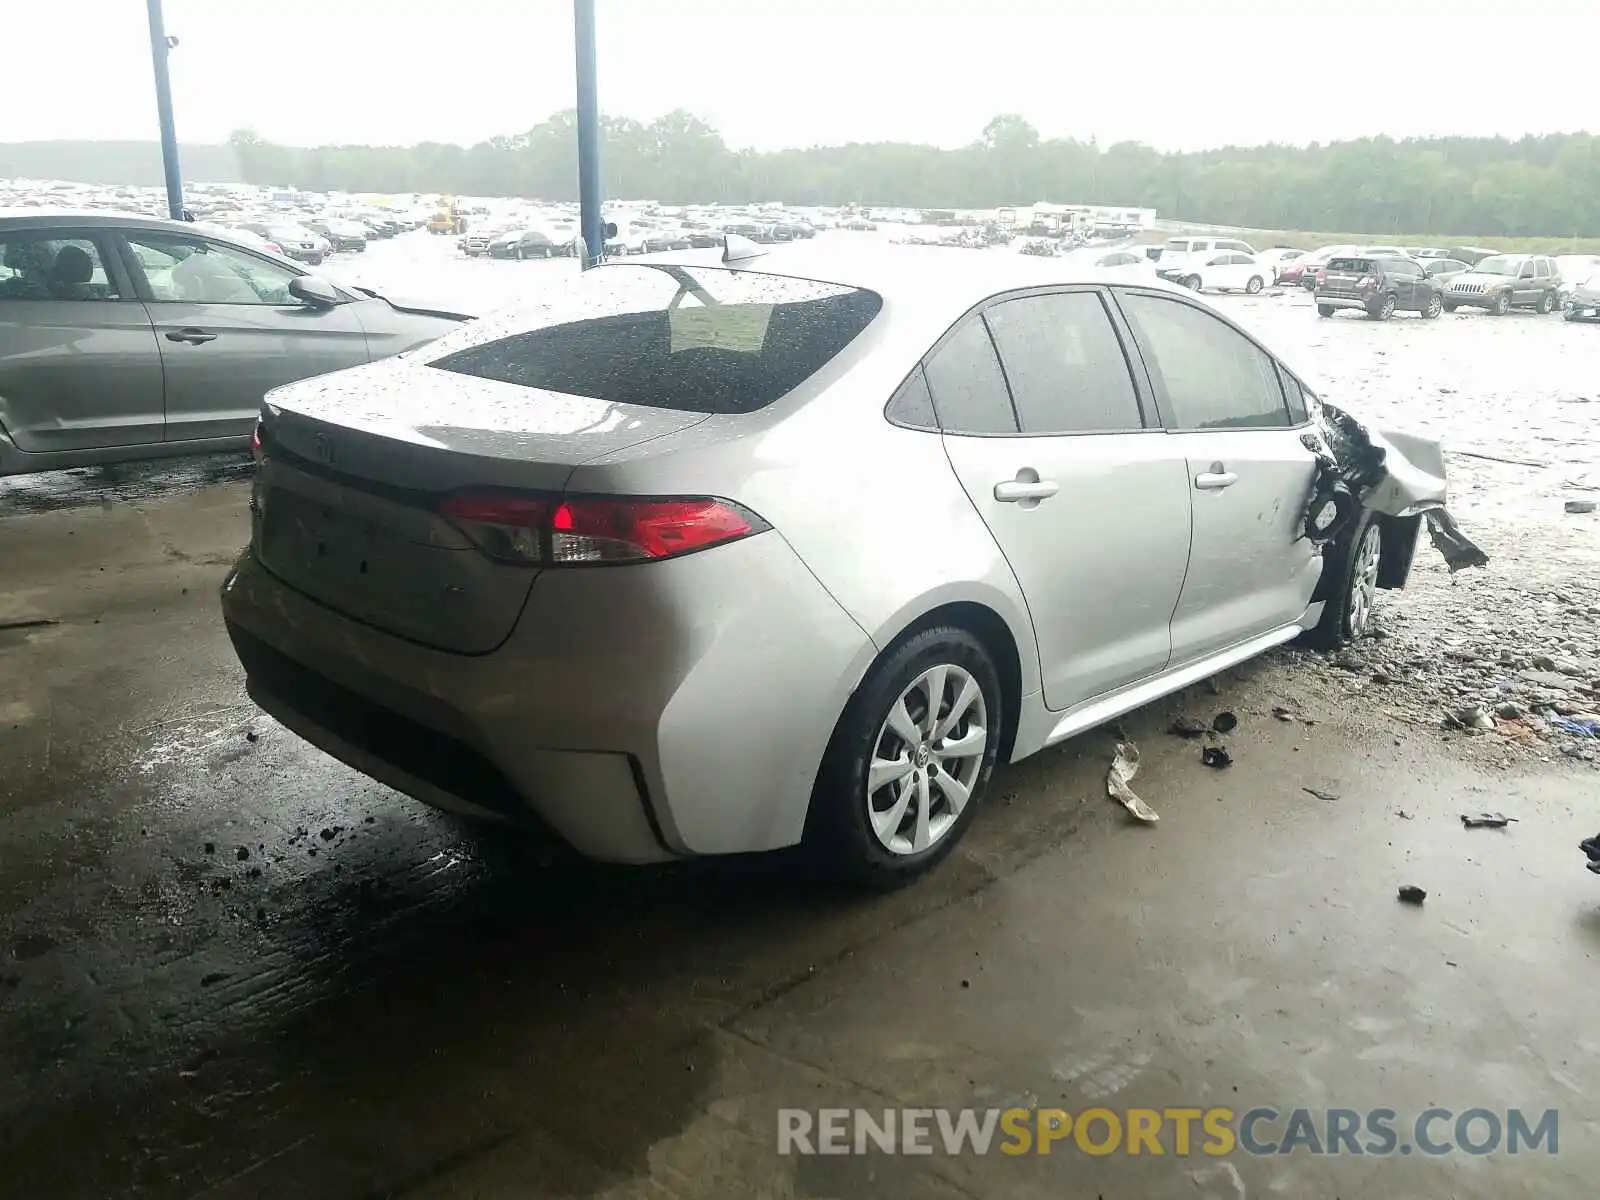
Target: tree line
1533,186
1545,186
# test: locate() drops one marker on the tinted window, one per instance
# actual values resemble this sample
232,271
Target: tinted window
1215,378
969,391
189,270
1296,396
1065,365
1355,266
913,404
1234,246
1541,269
39,265
693,339
1401,267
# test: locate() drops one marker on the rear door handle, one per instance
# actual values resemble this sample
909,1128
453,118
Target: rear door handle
1012,490
1214,480
194,337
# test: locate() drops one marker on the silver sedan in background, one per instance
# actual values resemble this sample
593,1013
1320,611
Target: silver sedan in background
703,556
125,337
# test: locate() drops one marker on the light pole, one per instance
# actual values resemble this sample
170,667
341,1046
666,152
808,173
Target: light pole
160,46
589,220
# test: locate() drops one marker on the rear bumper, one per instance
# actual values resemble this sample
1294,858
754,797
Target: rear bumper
1334,301
643,713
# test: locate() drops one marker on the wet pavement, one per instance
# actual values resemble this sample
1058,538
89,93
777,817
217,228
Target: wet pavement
230,967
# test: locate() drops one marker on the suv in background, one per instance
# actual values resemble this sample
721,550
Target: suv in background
1502,282
1378,284
1180,253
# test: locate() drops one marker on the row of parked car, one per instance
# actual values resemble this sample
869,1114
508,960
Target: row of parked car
1383,280
555,237
311,240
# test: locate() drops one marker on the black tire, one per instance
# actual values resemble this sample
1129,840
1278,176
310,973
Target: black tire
1547,304
1192,282
1385,308
1448,307
1502,304
1324,310
838,830
1255,285
1339,558
1433,307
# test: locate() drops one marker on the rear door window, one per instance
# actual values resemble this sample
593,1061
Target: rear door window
45,265
1214,377
1065,364
1352,266
969,389
693,339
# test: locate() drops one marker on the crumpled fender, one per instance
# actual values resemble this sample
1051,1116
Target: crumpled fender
1396,474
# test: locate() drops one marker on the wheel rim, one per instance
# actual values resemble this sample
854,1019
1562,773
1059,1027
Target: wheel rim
926,759
1253,286
1388,306
1433,306
1364,581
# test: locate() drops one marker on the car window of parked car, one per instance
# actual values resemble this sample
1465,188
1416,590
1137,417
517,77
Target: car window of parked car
40,265
1065,364
1400,266
969,389
912,405
184,270
1242,247
1541,269
1213,376
693,339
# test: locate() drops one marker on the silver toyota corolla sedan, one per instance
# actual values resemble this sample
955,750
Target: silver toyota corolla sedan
700,556
125,337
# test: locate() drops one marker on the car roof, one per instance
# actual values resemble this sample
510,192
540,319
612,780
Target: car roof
925,289
85,218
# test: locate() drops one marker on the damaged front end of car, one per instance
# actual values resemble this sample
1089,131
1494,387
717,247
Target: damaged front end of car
1398,475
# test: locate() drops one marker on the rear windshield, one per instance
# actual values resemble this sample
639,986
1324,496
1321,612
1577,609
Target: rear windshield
1359,265
695,339
1177,246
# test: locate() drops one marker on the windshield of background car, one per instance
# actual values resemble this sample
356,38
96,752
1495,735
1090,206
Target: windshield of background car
1357,266
1176,246
1499,264
694,339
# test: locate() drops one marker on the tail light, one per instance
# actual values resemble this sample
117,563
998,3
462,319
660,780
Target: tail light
552,531
1322,276
257,450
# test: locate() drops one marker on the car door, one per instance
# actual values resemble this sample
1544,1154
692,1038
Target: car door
1526,289
1088,501
79,367
1251,571
229,330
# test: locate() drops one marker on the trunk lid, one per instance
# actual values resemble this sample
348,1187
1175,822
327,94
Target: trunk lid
355,466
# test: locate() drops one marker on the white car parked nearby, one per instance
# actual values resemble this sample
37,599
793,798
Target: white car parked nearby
1228,271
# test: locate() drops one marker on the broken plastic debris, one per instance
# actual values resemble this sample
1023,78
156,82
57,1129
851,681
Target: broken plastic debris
1411,894
1579,726
1225,722
1328,797
1186,726
1486,820
1580,506
1216,756
1124,766
1447,538
1284,714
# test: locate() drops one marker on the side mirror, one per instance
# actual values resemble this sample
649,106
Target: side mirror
313,291
610,229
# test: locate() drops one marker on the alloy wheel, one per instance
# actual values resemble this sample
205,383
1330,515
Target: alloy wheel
1435,305
926,759
1364,580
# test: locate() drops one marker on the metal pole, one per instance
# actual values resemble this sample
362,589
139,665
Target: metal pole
590,221
160,47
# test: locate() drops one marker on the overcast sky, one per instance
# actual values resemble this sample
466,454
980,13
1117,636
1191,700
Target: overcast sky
777,73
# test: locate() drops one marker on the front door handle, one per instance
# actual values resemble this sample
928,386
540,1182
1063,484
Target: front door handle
1215,479
1011,491
193,337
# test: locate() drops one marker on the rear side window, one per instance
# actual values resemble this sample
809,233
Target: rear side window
694,339
969,390
912,405
1240,246
1214,376
1065,365
40,265
1299,410
1357,266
